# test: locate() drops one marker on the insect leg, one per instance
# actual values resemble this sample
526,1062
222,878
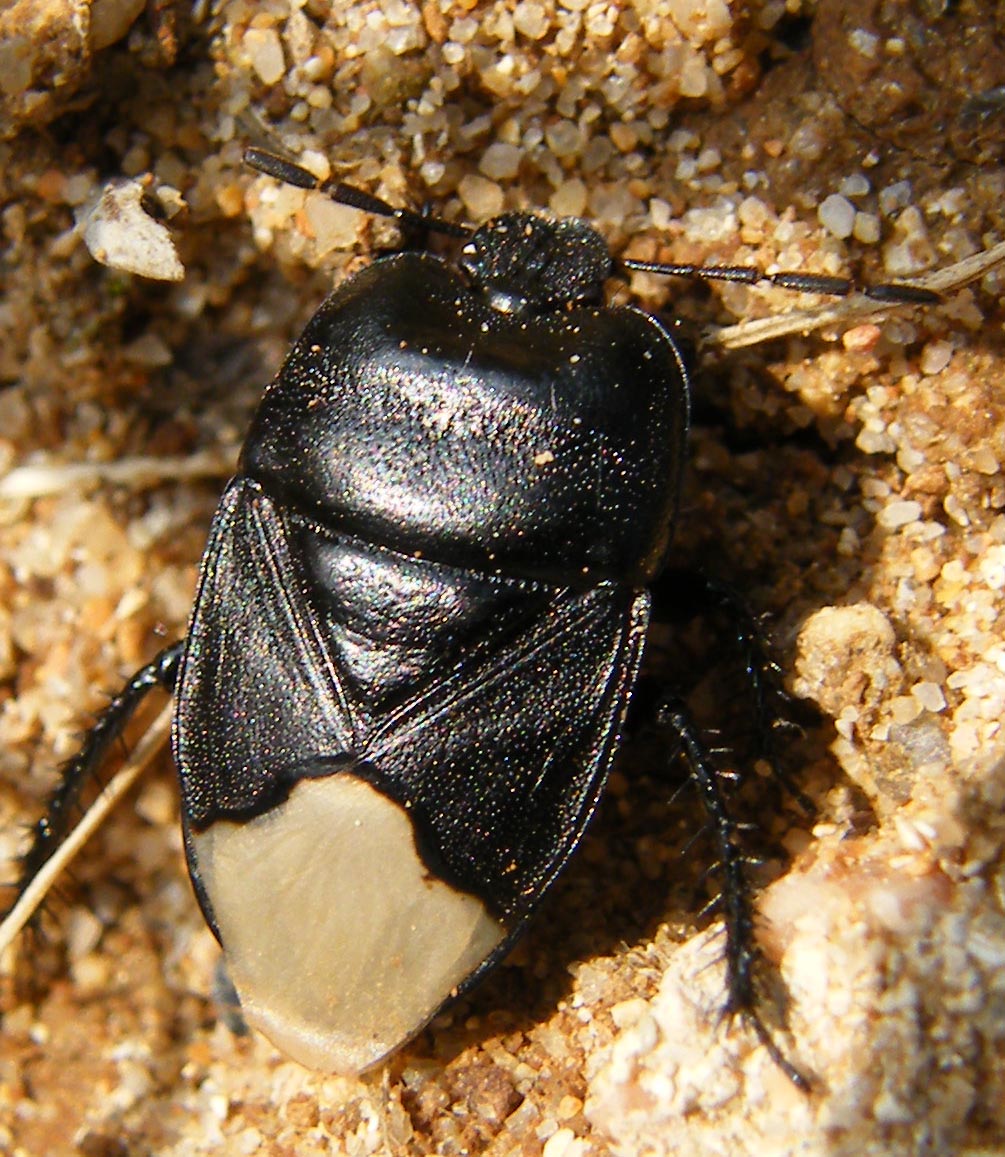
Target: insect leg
53,828
689,592
674,717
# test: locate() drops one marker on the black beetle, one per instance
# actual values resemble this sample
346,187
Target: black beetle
421,614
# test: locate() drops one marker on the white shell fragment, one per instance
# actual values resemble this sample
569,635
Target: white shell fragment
120,233
339,941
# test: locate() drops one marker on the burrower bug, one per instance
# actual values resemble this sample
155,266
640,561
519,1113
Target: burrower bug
421,614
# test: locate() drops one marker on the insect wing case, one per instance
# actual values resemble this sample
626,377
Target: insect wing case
421,613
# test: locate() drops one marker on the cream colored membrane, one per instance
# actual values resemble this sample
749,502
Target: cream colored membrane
339,941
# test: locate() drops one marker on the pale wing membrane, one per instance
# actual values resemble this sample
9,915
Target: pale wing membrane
339,942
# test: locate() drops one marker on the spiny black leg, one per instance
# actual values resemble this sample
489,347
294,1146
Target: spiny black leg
741,950
691,592
772,705
53,828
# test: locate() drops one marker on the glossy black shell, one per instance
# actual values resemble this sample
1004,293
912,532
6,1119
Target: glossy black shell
415,415
431,570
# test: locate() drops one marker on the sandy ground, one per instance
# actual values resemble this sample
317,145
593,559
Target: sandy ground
848,482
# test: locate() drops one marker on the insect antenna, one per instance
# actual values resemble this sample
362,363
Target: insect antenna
887,292
293,174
